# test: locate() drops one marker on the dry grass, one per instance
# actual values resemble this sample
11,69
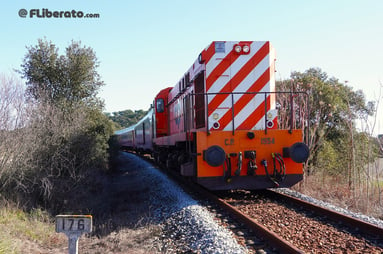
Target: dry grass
121,221
139,241
34,233
336,191
24,232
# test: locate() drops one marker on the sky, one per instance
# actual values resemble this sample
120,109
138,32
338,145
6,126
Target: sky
144,46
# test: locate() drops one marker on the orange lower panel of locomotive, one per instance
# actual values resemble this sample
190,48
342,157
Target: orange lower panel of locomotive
250,159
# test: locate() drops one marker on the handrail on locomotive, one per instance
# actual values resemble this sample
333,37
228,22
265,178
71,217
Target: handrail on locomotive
304,123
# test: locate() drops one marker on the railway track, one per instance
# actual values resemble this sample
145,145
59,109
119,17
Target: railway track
271,222
307,227
266,240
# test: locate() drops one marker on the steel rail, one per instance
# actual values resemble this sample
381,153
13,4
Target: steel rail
261,231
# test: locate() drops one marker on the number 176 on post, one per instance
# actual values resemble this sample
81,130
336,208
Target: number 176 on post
73,223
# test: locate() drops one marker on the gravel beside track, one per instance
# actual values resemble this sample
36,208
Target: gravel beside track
360,216
187,226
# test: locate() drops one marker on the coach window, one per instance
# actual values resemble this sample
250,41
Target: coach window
160,106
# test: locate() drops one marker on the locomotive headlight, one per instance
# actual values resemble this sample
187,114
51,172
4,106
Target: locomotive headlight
237,48
246,49
215,116
269,115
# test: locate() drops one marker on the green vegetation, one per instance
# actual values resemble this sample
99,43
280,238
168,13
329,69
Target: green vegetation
55,131
126,118
53,136
340,150
62,80
333,110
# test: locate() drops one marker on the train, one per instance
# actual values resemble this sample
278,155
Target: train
219,124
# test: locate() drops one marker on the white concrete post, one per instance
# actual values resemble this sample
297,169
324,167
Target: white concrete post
73,226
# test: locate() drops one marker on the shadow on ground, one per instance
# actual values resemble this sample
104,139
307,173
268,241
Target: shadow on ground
116,200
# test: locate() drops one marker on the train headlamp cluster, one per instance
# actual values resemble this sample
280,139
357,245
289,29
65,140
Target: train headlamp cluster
216,124
270,119
242,49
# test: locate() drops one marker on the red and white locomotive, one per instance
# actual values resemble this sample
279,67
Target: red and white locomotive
219,123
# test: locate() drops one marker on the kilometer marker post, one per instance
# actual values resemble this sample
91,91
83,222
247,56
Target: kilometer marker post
73,226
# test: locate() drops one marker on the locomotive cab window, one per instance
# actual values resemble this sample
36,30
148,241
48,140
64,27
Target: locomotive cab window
160,105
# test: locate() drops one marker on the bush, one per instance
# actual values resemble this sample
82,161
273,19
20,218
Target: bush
52,153
53,132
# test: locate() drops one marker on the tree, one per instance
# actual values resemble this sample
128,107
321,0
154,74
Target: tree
127,117
61,79
334,107
12,103
66,133
13,116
